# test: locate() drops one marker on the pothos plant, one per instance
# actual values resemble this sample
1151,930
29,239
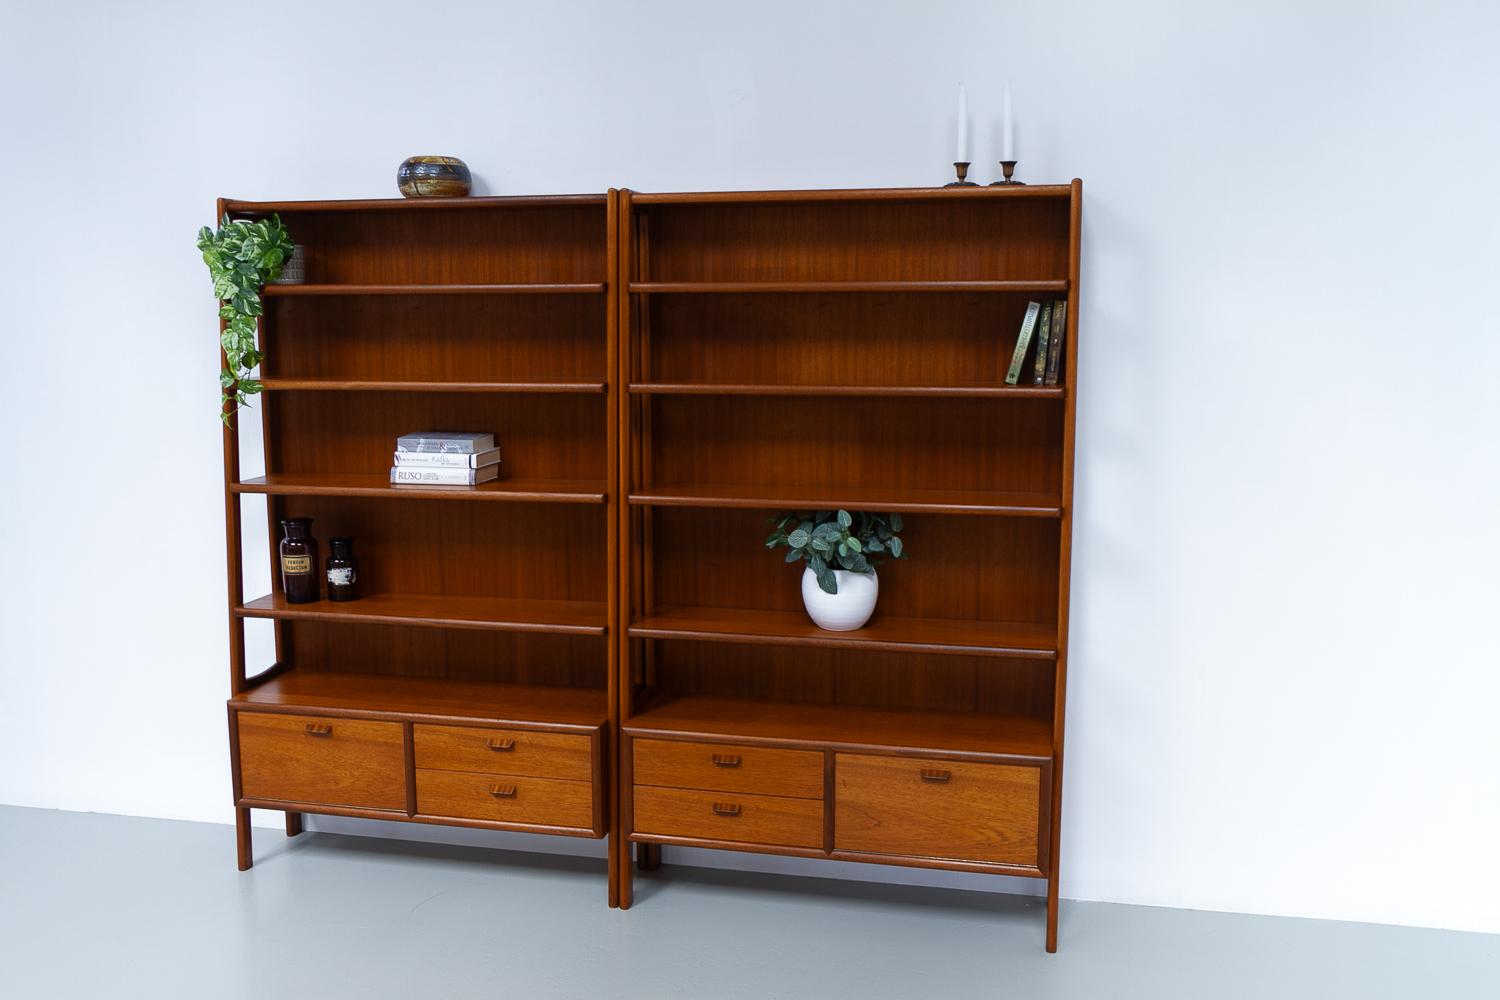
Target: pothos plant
831,540
241,257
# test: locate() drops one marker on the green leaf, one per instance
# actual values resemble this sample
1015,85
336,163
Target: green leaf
854,545
895,547
798,539
895,521
817,563
845,520
822,545
874,545
828,582
792,555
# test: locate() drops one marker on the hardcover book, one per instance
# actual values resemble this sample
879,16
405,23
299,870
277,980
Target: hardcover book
406,475
447,459
1043,337
1054,346
1023,341
446,442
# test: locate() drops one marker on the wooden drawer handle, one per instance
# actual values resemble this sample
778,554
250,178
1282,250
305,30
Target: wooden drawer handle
933,774
503,791
727,808
500,745
318,729
726,760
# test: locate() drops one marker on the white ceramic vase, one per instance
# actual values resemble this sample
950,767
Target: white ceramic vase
847,610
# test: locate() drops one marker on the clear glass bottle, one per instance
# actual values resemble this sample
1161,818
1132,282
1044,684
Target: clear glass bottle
343,570
299,561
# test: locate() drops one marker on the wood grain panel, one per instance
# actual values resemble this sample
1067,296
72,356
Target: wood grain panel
728,816
937,809
970,240
728,767
504,751
424,698
333,761
505,798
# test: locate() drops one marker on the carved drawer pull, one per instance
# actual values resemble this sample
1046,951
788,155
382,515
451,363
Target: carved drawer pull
727,808
499,745
933,774
503,791
319,729
726,760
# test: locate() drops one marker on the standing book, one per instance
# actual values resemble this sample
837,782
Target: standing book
1043,338
1023,341
1054,346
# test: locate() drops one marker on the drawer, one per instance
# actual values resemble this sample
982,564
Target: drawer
751,819
504,751
337,762
506,798
955,810
728,768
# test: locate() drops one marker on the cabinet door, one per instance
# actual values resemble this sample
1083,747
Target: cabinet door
337,762
953,810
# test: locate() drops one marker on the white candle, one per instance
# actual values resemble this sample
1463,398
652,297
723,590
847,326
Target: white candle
963,126
1007,131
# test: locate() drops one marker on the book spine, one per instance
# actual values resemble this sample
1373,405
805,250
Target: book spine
446,460
432,476
1054,349
1023,341
1043,333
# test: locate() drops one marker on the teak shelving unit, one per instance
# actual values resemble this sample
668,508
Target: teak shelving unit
824,349
598,643
472,684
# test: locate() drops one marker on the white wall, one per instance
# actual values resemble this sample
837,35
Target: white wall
1284,676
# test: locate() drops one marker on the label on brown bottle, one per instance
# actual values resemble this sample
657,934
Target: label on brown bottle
296,565
341,576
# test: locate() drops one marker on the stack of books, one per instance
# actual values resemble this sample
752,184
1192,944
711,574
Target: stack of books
1047,323
445,458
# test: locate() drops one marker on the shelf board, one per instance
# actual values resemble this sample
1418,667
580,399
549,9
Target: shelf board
863,498
784,389
495,614
902,635
520,288
983,192
373,695
407,385
353,484
699,287
234,207
844,727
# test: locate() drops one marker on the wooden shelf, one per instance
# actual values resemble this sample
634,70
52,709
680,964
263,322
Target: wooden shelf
352,484
784,389
374,695
408,385
844,727
854,498
521,288
891,634
1028,192
496,614
414,204
700,287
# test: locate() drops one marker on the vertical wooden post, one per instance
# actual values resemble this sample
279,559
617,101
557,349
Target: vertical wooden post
614,502
293,824
621,375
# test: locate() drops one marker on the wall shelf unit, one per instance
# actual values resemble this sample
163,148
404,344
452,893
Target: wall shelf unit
844,349
472,682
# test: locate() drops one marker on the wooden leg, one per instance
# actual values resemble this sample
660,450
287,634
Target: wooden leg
242,838
293,824
614,869
650,857
627,874
1052,912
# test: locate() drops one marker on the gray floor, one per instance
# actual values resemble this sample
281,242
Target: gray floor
107,906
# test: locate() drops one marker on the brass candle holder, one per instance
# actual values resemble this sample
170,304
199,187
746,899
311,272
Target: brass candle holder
1007,167
962,169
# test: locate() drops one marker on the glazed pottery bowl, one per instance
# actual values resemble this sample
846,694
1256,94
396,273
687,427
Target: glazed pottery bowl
433,177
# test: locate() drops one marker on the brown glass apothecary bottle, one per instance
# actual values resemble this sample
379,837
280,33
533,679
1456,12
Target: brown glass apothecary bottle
343,570
299,561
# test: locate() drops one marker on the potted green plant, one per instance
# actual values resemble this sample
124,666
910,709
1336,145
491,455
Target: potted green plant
242,256
841,550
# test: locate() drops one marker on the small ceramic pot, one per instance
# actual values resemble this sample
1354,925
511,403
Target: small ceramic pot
294,268
434,177
847,610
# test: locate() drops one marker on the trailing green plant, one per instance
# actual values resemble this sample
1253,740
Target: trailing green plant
241,257
831,540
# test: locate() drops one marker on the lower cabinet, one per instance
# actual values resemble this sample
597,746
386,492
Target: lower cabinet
472,775
353,763
901,809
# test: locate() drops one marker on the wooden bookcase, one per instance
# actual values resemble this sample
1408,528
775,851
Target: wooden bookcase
598,643
824,349
472,684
